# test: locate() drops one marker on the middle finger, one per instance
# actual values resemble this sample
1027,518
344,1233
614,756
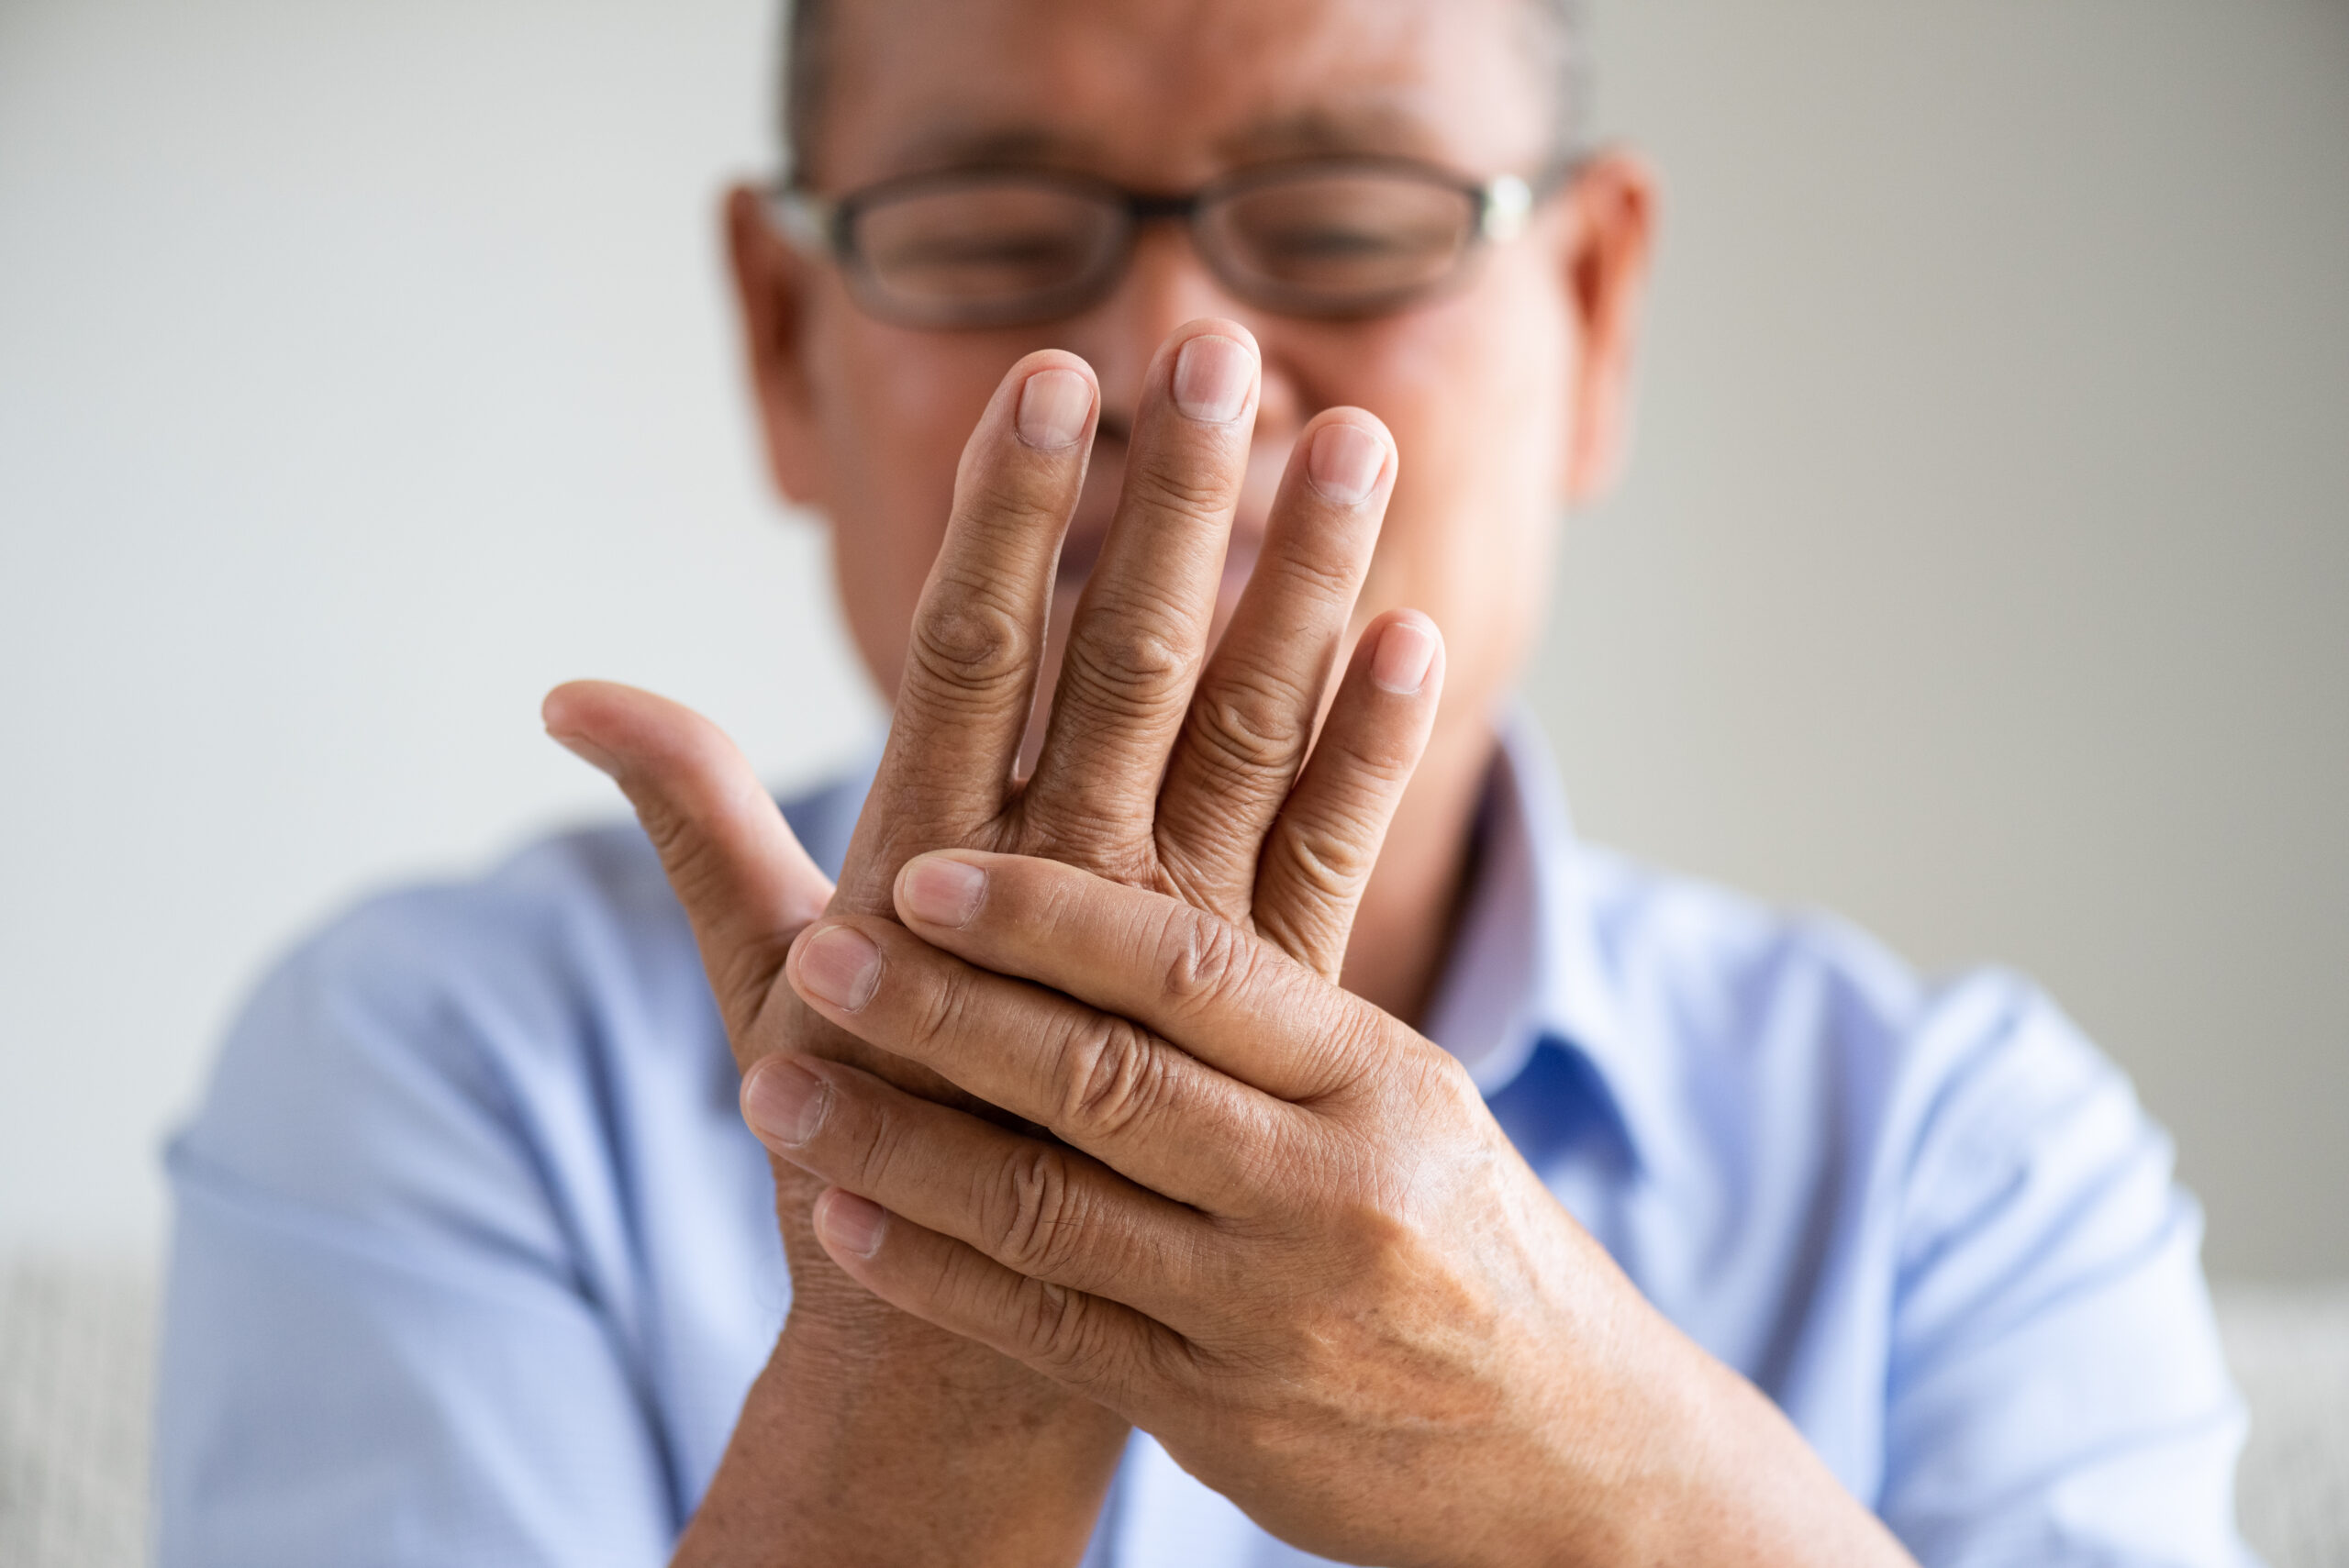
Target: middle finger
1141,630
1254,717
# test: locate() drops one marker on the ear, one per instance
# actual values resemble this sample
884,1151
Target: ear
772,284
1613,210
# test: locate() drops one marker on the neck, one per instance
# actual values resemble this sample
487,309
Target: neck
1404,931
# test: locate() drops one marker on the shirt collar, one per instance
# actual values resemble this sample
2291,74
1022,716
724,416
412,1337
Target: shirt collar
1526,968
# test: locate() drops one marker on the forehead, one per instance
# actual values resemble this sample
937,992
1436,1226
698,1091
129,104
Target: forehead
1166,93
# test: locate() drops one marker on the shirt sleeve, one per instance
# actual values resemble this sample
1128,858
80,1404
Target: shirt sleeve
2057,1390
382,1346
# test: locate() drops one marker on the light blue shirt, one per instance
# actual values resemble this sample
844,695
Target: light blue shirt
475,1261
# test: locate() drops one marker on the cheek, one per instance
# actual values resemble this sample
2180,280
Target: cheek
898,407
1477,398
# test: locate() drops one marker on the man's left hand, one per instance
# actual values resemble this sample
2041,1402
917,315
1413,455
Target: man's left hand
1279,1231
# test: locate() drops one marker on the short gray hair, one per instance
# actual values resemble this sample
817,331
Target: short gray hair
1561,29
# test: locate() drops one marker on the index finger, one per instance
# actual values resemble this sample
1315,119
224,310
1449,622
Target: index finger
978,634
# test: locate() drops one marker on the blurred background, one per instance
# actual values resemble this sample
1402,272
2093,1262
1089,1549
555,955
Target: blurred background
1983,572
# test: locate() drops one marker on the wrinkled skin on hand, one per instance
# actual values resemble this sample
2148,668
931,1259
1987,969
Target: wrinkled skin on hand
1285,1236
1160,768
1062,1074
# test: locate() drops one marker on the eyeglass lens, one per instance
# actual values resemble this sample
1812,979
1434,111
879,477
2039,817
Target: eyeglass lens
989,248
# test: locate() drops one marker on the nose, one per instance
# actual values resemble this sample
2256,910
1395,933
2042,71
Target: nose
1166,283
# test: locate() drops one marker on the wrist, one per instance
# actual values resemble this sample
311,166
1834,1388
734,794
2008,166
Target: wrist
1689,1462
871,1437
1612,1467
840,1341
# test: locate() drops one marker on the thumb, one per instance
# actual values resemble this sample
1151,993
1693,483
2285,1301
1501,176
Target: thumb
747,885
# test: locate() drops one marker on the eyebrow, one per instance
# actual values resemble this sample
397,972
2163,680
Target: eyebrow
1372,127
1369,127
959,147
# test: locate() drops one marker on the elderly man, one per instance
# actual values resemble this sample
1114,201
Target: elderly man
1171,1139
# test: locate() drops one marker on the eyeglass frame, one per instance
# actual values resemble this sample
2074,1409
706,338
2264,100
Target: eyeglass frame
1502,206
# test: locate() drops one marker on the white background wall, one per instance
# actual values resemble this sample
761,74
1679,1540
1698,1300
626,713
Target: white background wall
1984,574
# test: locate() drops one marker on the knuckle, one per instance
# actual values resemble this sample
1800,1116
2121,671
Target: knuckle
938,1016
1443,1087
1250,724
1112,1075
971,639
1383,1243
1363,1214
1131,658
1330,864
949,1282
1058,1326
1015,499
1372,766
1208,961
1327,575
1040,1212
868,1143
1180,482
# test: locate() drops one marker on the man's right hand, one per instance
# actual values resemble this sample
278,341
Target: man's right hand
873,1437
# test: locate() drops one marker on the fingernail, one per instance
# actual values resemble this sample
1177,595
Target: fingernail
1054,407
1211,379
594,756
1406,651
841,966
942,892
783,1102
851,1224
1345,461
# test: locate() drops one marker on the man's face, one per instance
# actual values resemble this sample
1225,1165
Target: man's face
1503,393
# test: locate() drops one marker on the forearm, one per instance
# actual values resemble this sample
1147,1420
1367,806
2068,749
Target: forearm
1714,1472
873,1437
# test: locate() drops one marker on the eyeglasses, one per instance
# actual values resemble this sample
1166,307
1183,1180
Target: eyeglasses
1333,238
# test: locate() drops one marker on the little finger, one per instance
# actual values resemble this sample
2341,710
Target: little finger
1317,858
